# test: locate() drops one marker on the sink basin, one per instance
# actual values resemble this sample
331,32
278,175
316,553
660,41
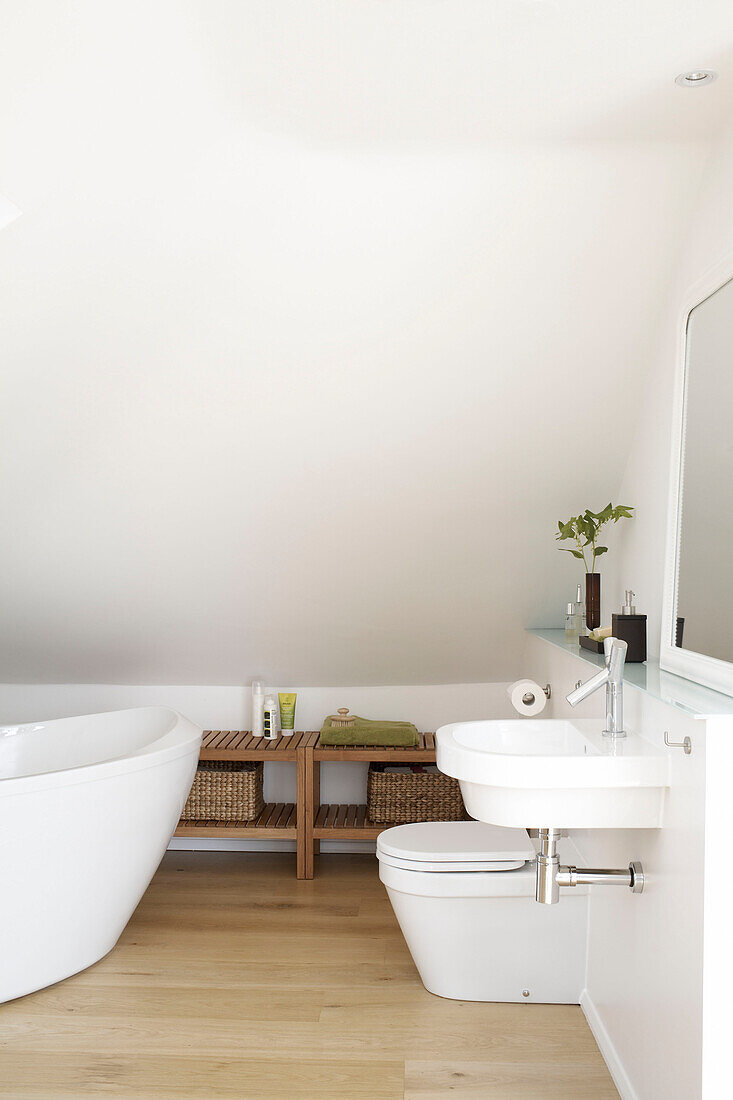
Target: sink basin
554,773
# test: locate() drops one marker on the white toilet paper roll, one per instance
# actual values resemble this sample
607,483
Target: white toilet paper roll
527,697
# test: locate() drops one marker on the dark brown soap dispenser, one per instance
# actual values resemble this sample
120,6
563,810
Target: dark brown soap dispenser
630,628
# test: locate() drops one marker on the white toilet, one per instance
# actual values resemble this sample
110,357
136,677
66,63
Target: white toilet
463,893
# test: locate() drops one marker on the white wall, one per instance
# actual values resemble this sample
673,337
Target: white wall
718,905
644,980
639,563
318,317
426,706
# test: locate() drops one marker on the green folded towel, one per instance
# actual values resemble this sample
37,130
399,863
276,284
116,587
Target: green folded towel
365,732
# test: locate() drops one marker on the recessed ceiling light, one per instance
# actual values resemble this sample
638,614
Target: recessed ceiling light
696,78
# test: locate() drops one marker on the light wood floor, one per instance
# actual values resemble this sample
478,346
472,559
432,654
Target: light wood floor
235,980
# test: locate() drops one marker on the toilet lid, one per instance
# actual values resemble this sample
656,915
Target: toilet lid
454,846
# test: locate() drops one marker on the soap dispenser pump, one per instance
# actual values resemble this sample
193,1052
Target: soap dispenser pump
630,628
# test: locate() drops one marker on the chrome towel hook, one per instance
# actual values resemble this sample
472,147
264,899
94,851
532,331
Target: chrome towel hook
686,744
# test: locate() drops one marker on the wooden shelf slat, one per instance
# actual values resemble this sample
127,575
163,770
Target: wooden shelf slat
262,821
331,812
243,745
276,822
269,815
284,816
213,737
338,822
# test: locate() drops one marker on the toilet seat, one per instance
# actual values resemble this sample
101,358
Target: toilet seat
445,866
451,846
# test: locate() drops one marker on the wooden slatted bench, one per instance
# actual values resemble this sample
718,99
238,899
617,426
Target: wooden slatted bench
306,821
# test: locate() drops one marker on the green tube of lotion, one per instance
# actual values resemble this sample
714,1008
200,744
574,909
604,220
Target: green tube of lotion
287,712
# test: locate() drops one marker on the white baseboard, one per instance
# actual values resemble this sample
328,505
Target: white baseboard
213,844
607,1049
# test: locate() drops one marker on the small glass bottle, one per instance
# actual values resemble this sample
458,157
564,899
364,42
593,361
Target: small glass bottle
572,623
580,612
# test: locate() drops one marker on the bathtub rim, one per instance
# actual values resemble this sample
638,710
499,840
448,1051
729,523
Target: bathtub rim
182,740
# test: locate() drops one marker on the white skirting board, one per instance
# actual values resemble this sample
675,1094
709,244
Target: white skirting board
213,844
607,1049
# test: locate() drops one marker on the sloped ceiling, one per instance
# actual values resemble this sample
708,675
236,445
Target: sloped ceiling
320,315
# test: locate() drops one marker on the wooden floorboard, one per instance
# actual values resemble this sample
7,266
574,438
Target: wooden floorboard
235,980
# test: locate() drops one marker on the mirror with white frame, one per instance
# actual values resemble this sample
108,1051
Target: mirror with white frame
698,622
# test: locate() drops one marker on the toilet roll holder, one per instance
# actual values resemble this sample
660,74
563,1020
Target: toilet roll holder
529,697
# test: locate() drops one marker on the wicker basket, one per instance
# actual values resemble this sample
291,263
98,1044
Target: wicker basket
402,797
224,791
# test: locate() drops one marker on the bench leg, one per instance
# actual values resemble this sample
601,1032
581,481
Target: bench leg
306,813
316,799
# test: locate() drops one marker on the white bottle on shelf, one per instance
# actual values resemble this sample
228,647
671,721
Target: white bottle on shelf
258,707
270,718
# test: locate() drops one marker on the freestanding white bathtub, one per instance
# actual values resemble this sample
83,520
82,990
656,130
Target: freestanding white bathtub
87,807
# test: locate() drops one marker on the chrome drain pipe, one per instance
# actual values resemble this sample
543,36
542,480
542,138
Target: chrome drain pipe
632,876
551,876
547,888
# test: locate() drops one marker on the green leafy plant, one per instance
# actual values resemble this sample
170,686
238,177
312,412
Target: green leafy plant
585,530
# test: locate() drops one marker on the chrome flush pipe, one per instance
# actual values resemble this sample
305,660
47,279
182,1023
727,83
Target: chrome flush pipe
613,677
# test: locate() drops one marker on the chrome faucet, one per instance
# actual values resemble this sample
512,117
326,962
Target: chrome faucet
613,677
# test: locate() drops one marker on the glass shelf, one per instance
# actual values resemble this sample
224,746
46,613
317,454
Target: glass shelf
696,701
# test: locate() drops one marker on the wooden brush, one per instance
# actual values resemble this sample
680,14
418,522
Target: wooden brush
342,719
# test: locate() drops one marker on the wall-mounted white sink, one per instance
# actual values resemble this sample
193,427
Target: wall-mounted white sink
547,772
